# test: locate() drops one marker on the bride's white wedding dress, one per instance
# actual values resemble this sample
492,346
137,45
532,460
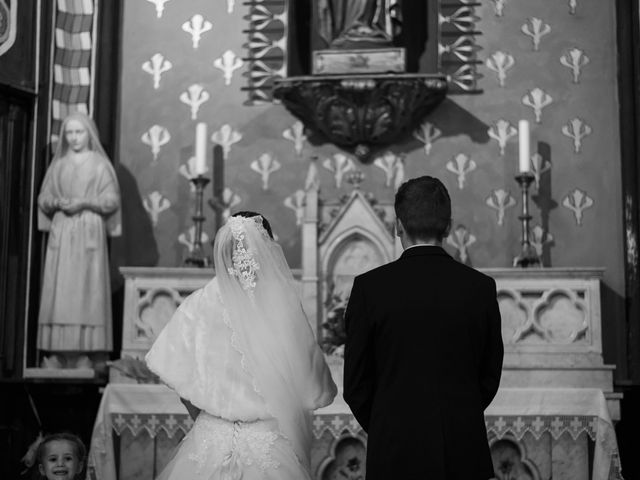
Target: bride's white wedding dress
253,424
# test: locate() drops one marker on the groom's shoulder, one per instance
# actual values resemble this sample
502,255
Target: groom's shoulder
475,276
383,271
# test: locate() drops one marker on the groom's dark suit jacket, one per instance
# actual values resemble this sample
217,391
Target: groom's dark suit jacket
423,359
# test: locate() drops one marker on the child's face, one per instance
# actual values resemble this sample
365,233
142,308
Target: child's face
60,461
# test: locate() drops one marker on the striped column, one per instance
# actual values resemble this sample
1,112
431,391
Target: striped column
74,44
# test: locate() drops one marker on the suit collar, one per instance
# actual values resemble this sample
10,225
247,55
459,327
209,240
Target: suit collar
421,250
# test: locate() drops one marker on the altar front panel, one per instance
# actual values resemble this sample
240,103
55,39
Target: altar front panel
534,434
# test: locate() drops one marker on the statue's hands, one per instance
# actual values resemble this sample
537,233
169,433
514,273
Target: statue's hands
60,203
72,206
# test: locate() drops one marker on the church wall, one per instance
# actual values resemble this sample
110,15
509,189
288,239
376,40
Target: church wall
584,174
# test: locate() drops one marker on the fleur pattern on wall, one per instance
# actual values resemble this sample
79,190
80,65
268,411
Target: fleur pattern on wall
156,137
501,132
537,99
196,26
265,165
427,133
393,167
461,239
296,135
461,164
498,7
274,158
573,6
539,165
575,59
155,203
500,200
226,137
156,66
339,164
193,97
159,4
539,238
295,202
500,62
577,201
535,28
576,130
229,62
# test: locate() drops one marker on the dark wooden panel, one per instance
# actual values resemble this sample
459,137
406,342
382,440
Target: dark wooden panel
18,63
629,95
14,204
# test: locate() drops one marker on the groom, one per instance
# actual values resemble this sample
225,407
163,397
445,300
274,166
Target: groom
424,351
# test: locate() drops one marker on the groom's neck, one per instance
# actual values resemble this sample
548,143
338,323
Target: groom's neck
413,242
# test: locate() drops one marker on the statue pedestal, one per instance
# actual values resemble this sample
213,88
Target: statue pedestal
379,60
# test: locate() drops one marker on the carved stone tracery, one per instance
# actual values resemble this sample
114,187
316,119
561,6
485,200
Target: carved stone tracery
556,316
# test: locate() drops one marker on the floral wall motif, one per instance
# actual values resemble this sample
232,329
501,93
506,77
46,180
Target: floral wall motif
537,61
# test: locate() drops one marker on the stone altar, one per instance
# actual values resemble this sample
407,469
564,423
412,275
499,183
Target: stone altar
554,413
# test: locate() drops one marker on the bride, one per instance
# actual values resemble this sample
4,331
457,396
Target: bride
242,356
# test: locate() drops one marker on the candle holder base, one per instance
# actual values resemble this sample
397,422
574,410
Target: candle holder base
197,261
527,258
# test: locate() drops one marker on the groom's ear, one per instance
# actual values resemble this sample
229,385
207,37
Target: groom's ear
399,228
448,230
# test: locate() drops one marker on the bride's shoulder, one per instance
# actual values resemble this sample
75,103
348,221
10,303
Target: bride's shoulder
201,299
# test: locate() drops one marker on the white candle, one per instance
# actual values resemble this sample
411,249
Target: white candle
523,143
201,149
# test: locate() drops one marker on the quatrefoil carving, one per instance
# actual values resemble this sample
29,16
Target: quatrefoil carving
160,303
519,309
346,460
567,325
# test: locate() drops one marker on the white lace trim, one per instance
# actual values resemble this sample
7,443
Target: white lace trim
245,265
243,364
232,446
235,345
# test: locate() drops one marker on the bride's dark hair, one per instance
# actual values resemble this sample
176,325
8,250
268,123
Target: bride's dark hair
250,214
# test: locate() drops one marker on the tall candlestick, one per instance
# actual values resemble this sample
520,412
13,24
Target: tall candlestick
523,143
201,149
528,256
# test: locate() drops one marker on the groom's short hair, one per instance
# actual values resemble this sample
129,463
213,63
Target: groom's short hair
423,207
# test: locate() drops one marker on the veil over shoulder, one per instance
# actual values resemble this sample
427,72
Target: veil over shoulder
271,327
247,332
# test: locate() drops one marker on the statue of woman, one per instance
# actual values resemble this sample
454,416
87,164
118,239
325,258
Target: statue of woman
357,23
79,205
